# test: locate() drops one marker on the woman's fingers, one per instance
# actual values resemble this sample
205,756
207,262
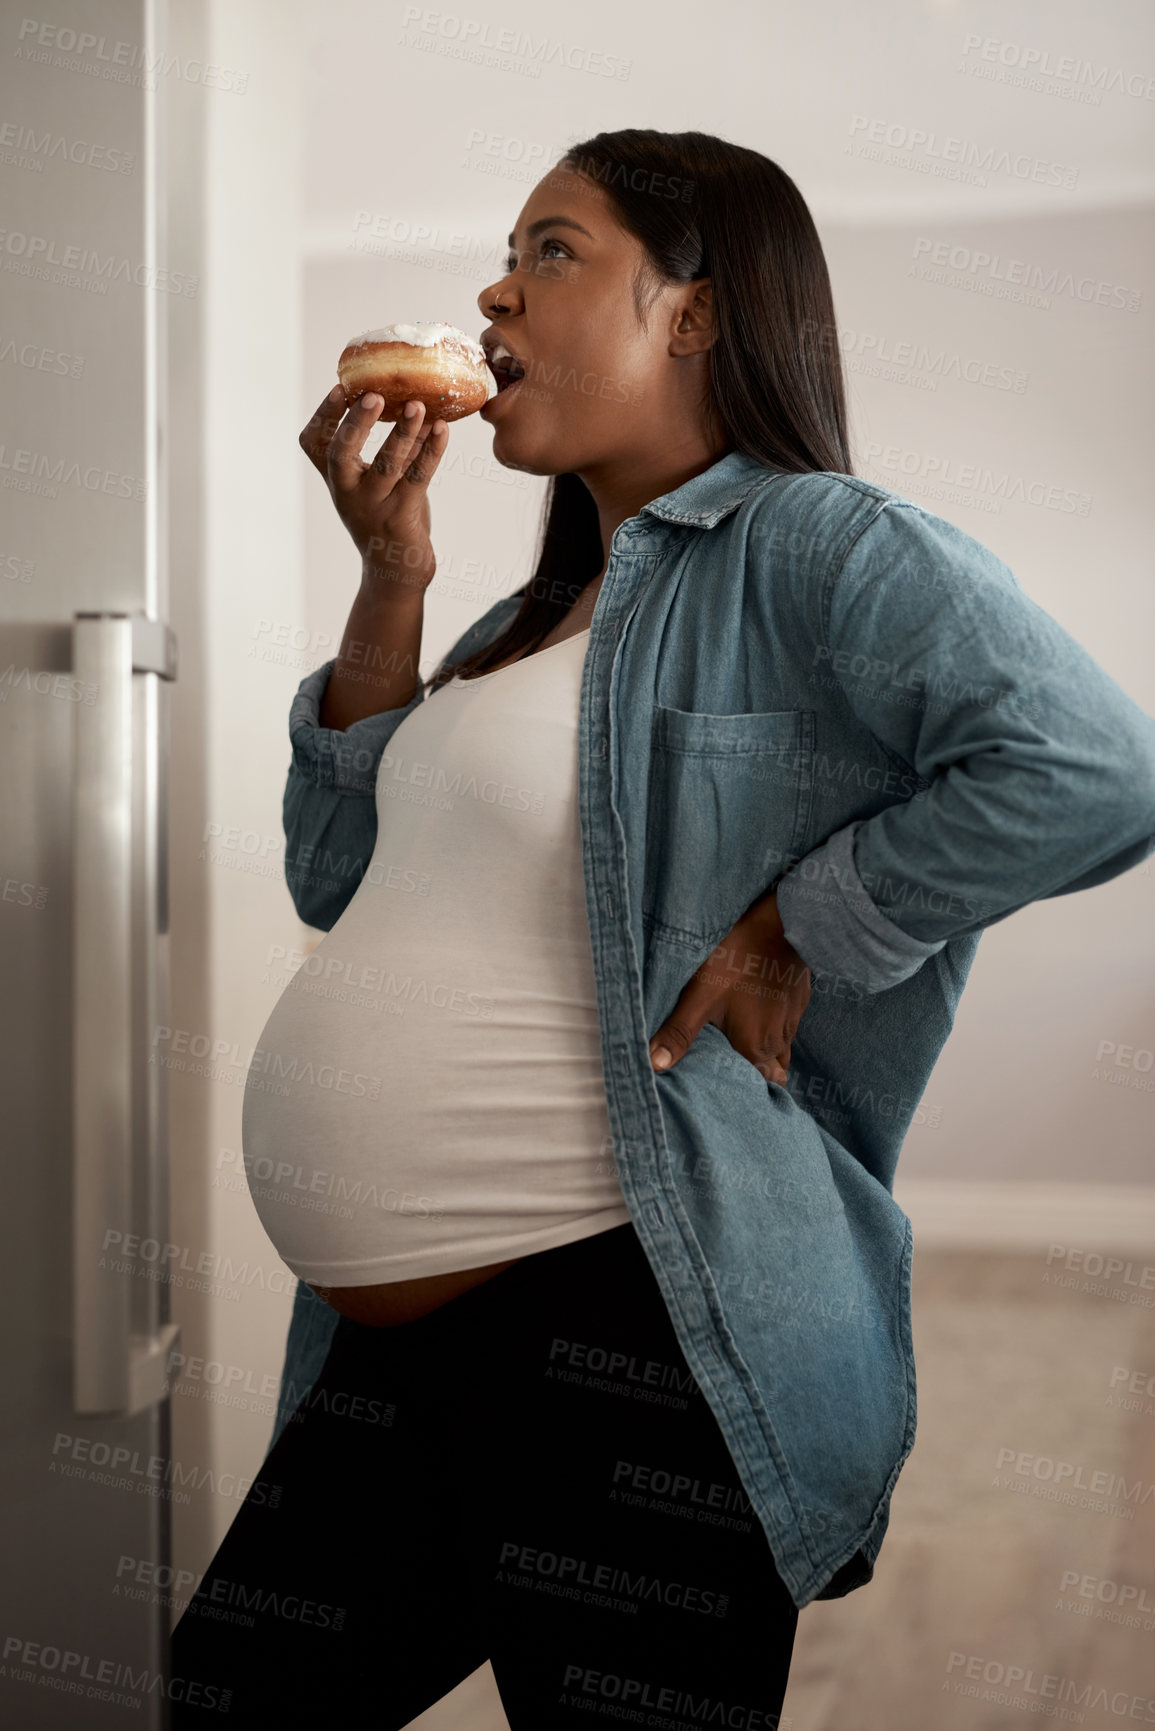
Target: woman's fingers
344,466
399,449
423,465
407,460
318,431
767,1036
334,438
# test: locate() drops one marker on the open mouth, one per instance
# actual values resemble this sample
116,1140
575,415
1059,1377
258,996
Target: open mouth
505,367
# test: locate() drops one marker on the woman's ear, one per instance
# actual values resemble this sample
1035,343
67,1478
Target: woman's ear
694,329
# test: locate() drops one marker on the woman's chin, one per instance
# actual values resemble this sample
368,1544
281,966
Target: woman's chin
536,437
516,448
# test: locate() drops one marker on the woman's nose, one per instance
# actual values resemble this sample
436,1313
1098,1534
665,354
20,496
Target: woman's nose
498,298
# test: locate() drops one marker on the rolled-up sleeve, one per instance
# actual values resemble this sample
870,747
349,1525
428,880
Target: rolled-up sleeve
347,761
1038,769
330,806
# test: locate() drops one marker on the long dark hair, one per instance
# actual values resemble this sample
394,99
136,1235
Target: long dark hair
704,207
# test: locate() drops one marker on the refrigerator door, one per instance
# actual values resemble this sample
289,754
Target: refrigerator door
86,1479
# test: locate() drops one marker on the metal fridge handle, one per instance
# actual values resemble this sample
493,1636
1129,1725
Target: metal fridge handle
115,1372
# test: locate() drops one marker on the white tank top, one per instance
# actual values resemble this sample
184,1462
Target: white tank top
428,1092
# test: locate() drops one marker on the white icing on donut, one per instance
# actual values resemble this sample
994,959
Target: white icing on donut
421,336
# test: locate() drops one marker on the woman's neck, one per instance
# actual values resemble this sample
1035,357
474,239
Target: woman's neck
620,492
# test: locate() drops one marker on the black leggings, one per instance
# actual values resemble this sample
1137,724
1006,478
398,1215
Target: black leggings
530,1475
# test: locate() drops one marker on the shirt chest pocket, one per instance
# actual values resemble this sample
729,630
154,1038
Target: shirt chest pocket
728,809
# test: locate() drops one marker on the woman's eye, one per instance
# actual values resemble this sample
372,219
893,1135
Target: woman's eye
513,259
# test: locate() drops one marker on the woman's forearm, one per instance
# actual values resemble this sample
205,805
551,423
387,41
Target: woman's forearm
377,664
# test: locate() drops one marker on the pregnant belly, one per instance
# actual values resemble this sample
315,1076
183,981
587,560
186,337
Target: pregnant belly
390,1138
400,1301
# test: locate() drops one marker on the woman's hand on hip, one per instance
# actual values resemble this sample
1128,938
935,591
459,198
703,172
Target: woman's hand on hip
753,985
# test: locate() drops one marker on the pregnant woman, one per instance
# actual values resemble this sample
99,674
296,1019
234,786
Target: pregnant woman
646,920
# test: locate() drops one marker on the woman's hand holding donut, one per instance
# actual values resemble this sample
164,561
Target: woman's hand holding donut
383,504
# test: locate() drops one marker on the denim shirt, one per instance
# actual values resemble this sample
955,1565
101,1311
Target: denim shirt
808,682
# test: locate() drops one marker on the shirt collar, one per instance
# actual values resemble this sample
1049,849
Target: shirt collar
705,499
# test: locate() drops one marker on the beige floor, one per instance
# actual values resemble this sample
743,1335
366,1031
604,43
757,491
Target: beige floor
969,1583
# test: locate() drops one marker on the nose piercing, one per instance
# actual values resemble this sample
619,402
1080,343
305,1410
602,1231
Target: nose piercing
497,306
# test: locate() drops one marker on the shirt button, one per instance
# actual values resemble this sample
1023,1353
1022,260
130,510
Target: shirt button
654,1212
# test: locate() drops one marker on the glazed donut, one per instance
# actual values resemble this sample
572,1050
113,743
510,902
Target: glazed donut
434,364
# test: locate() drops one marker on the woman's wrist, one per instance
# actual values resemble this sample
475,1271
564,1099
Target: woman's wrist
390,581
